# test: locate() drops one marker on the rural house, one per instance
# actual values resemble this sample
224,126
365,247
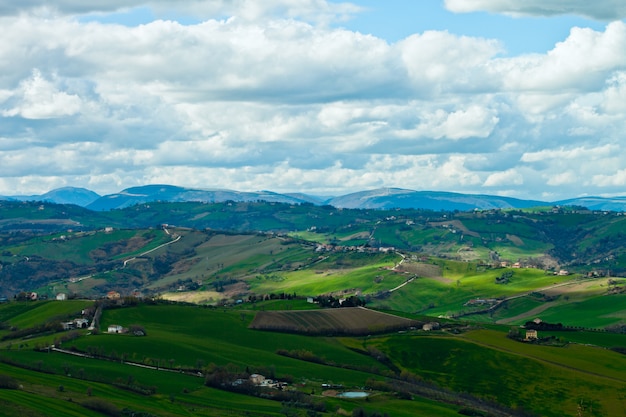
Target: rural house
257,379
115,328
113,295
431,326
531,335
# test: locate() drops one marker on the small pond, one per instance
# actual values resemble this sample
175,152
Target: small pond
353,394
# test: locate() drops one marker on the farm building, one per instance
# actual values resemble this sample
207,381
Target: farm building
61,296
115,328
431,326
257,379
531,335
113,295
75,324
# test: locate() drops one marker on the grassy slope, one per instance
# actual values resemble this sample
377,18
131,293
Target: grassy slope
179,335
549,380
29,314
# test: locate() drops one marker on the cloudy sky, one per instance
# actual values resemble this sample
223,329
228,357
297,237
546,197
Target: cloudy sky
524,99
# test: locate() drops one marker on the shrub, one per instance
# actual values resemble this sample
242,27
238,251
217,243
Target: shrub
8,382
101,406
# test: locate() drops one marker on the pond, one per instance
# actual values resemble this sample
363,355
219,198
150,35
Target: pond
353,394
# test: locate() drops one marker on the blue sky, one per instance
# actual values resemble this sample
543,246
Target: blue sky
524,99
394,20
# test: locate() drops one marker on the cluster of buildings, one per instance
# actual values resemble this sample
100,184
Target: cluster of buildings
324,247
259,380
81,323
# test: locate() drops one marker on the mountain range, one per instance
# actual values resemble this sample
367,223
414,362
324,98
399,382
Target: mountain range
382,198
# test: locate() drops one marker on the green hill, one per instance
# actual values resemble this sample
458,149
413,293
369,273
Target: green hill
189,358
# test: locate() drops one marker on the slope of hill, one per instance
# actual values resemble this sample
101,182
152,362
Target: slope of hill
388,198
205,362
169,193
596,203
66,195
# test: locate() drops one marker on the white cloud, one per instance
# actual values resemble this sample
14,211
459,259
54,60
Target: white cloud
439,62
563,178
504,178
570,155
286,104
38,98
599,9
582,62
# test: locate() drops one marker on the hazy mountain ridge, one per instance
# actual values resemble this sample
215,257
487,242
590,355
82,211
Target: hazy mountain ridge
65,195
382,199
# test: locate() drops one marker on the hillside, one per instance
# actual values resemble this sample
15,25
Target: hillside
44,246
208,362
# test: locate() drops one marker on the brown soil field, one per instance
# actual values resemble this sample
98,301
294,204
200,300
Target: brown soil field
420,269
457,224
334,321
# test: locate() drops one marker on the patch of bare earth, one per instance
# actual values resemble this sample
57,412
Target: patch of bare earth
515,240
576,287
234,290
530,314
420,269
196,297
350,321
360,235
457,224
183,266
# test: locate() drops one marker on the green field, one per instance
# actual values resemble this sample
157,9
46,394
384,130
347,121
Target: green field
444,268
186,337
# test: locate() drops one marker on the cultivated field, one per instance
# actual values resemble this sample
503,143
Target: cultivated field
338,321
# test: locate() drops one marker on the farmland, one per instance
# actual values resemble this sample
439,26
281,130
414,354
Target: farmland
216,306
433,366
346,321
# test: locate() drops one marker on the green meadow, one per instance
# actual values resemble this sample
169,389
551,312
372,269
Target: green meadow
25,315
190,337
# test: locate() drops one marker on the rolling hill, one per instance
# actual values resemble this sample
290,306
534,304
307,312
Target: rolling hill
383,199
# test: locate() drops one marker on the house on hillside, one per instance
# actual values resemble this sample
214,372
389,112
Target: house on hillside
115,328
257,379
61,296
81,323
431,326
531,335
113,295
75,324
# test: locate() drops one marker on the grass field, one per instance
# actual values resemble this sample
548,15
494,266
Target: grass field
186,336
29,314
551,381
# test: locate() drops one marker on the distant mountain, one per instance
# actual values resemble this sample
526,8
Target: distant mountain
388,198
382,199
596,203
170,193
66,195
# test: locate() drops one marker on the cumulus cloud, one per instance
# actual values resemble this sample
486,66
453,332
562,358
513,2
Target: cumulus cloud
287,104
38,98
504,178
600,9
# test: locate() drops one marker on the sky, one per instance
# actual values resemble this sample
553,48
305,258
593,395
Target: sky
501,97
